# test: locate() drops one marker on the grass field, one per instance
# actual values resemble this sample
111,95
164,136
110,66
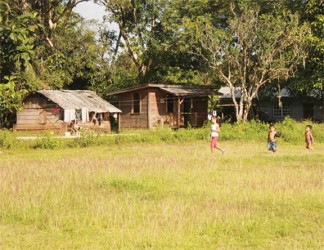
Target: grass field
163,196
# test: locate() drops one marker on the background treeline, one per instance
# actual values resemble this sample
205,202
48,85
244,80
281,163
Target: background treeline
45,44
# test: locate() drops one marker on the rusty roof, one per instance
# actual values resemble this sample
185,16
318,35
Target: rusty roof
176,90
77,99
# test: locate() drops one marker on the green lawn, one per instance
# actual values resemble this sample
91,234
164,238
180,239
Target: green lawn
163,196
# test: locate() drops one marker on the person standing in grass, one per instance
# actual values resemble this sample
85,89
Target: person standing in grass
272,144
309,137
215,130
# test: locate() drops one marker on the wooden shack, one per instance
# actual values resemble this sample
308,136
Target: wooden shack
152,105
57,109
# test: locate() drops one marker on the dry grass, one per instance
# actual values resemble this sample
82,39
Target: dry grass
163,196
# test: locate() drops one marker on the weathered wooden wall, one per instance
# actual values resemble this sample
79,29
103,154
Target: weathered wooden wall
199,111
158,105
128,119
154,110
39,110
38,114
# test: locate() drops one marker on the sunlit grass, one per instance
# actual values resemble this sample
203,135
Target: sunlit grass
163,196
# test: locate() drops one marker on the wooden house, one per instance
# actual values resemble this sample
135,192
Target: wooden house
267,108
57,109
152,105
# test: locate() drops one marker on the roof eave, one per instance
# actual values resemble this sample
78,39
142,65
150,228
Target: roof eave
160,86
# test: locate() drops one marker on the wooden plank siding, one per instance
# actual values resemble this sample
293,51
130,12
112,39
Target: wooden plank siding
59,127
129,119
199,111
154,110
38,114
158,106
38,110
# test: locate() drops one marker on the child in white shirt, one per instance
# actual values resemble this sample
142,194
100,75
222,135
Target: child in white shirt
215,130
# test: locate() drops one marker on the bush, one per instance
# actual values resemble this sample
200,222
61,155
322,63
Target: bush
252,130
47,142
84,141
7,140
292,132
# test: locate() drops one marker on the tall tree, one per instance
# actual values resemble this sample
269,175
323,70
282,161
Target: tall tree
17,43
138,22
147,33
44,45
252,51
311,75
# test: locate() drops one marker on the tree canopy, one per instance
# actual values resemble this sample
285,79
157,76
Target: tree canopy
242,43
253,50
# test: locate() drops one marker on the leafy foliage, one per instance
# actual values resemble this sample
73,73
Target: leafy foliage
45,44
47,142
10,101
252,51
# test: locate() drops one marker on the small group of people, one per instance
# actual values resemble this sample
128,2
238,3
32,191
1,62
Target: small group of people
272,135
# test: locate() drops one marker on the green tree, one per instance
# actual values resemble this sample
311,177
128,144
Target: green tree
252,51
311,75
17,42
10,101
147,33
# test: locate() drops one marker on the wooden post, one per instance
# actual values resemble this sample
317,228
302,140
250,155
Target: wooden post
148,110
212,104
119,118
178,120
179,109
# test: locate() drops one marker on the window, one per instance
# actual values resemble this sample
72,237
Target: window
136,103
284,111
169,104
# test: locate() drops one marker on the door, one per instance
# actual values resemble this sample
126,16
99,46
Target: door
308,111
187,111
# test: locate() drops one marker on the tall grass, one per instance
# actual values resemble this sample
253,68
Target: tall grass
163,196
292,132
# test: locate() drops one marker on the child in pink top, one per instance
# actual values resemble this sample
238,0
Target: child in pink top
214,133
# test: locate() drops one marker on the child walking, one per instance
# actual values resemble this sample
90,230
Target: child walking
272,144
215,130
309,137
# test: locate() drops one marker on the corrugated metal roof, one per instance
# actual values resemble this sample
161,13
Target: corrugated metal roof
188,91
177,90
77,99
226,92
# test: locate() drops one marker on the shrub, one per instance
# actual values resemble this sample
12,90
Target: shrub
7,140
85,141
252,130
292,132
47,142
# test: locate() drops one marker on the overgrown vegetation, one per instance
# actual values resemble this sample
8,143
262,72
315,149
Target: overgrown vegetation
292,132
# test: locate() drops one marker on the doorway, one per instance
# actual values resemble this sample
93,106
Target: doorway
308,111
